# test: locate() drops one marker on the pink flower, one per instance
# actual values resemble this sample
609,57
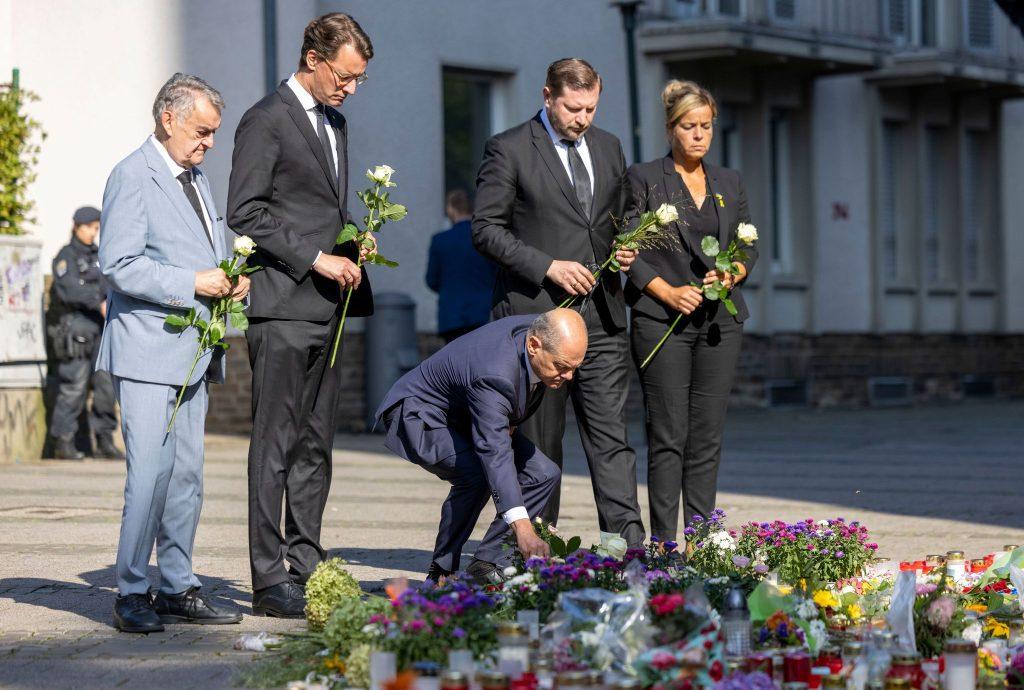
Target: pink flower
940,612
663,661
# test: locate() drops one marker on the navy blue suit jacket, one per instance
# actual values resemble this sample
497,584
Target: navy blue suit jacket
465,397
462,278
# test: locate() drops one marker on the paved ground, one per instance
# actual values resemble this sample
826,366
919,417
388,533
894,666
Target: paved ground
925,480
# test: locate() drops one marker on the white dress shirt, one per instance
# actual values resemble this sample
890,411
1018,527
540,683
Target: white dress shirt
562,150
177,170
309,104
519,512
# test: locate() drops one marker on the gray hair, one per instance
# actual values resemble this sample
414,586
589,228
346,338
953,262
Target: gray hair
179,96
545,329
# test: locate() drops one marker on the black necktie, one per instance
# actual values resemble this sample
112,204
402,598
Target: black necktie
580,178
185,179
325,143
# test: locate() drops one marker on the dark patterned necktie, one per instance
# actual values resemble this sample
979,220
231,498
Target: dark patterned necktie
325,142
534,399
185,179
580,178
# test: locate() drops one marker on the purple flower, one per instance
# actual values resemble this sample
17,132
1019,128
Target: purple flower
458,633
689,531
839,554
760,569
740,561
670,546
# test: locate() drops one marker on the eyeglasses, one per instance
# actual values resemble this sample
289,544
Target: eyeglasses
344,80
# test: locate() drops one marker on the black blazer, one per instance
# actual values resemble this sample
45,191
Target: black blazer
527,215
281,195
655,183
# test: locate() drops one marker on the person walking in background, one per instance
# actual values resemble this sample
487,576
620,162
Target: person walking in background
686,386
78,306
548,192
456,271
289,192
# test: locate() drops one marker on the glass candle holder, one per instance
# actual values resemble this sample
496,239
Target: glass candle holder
961,664
382,669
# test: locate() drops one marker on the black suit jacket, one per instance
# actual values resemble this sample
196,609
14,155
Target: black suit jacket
282,195
467,396
656,183
527,215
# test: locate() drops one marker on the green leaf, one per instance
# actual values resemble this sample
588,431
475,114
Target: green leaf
557,546
224,265
729,306
177,321
367,242
239,320
615,265
723,264
217,331
709,245
394,212
251,269
347,234
201,325
380,261
711,292
723,293
222,345
573,545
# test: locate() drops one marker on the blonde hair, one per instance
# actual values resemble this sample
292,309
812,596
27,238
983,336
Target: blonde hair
680,97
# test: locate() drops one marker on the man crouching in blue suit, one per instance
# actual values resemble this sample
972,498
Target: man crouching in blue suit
456,414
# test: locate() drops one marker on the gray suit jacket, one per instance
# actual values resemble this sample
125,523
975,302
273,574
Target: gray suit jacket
151,246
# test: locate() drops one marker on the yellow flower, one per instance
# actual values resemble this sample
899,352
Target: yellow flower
825,599
335,663
979,608
721,201
854,612
996,628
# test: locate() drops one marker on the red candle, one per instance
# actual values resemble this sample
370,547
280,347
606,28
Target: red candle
796,668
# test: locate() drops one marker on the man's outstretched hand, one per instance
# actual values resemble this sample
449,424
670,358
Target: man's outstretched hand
530,545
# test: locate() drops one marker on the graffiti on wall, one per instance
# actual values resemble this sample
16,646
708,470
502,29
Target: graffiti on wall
21,303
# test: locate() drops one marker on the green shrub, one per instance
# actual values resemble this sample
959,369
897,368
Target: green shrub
18,156
344,628
328,586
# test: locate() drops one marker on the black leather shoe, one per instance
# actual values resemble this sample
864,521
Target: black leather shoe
64,449
106,450
298,578
484,573
191,607
285,600
134,613
436,572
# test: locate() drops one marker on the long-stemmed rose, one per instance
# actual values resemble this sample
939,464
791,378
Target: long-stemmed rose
211,333
379,211
651,231
725,262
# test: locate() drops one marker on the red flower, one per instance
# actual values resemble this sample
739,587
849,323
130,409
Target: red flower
716,671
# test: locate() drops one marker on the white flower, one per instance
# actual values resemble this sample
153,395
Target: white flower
973,632
666,214
807,610
612,545
244,245
510,571
723,540
748,235
382,175
819,633
524,579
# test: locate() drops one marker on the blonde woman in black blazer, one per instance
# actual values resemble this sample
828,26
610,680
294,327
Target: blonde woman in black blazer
686,386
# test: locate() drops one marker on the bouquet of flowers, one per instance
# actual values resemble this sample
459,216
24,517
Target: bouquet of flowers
694,661
710,545
780,631
1015,671
379,210
543,580
822,551
222,311
937,617
758,680
651,231
426,621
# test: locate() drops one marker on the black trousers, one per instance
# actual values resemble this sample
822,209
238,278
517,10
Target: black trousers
294,405
598,391
75,377
686,393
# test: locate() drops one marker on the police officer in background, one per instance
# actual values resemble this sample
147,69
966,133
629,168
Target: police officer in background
78,305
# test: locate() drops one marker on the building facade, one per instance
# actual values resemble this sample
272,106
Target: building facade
879,140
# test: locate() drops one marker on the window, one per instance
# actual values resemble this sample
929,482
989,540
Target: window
781,192
727,134
688,8
469,119
928,27
894,207
979,23
896,24
729,8
784,9
980,214
938,195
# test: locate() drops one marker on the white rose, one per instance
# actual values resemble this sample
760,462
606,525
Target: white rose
244,246
382,175
612,545
666,214
748,235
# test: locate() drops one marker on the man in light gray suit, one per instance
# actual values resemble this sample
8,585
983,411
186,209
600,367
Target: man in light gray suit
161,244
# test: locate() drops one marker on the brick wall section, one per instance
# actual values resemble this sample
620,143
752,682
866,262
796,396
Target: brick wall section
837,368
